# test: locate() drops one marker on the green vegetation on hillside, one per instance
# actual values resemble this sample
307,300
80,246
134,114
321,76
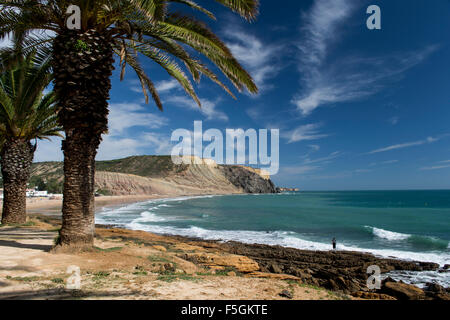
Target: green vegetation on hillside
145,166
49,175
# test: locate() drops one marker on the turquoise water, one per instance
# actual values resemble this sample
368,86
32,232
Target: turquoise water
402,224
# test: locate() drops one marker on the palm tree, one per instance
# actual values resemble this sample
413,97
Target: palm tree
83,61
25,115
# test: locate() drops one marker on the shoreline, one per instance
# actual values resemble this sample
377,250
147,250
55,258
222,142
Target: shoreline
53,206
407,256
340,272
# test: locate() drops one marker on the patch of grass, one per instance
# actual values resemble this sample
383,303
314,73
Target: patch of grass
19,225
311,286
156,258
140,271
58,280
292,282
174,277
100,275
225,272
205,274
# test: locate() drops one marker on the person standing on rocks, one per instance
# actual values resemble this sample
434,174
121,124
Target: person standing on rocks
334,243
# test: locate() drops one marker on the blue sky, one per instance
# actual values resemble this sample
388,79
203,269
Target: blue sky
356,109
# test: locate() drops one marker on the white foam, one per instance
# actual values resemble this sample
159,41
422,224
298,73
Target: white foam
286,239
104,216
420,278
388,235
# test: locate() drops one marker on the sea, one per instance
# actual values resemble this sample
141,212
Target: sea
408,225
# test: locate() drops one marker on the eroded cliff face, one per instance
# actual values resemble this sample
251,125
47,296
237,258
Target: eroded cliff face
248,180
157,175
194,179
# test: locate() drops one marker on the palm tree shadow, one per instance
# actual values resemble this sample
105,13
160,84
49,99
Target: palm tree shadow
15,244
63,294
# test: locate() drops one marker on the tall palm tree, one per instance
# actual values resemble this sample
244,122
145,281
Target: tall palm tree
26,115
83,61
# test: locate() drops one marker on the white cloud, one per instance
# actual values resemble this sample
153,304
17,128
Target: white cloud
123,116
349,78
116,147
305,133
259,58
119,142
208,108
167,85
120,147
405,145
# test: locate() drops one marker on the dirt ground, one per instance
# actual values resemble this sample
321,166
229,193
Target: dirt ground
133,265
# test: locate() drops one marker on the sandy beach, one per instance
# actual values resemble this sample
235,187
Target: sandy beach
53,206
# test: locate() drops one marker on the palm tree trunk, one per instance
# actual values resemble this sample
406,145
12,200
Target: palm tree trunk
82,65
78,202
16,159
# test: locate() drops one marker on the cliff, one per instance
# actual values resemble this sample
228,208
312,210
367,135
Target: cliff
141,175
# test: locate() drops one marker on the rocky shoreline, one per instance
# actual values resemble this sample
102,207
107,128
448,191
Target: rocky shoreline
340,271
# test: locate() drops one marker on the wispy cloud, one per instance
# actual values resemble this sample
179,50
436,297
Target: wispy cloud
326,159
351,77
406,145
393,120
208,108
373,164
308,165
314,147
298,170
440,165
435,167
305,132
260,58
